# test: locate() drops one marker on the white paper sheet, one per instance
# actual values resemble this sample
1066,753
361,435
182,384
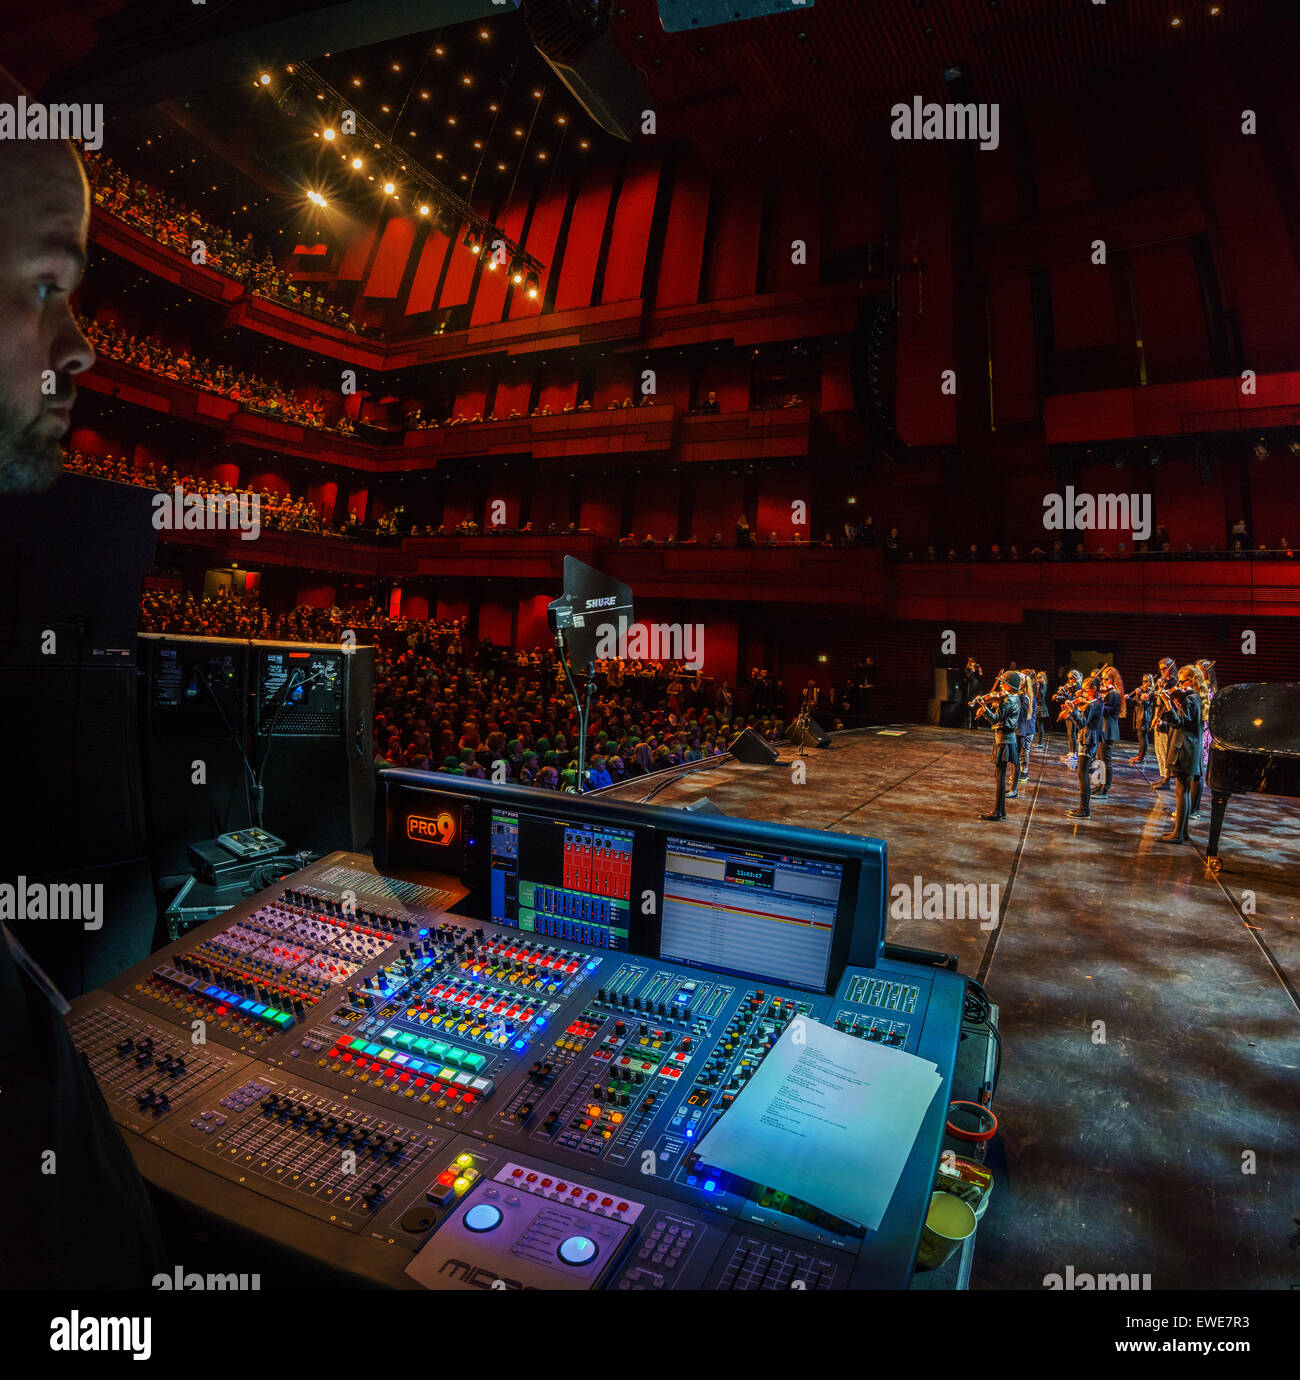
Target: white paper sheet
829,1118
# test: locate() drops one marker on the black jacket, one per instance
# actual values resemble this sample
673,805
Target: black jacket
1186,750
1091,723
1111,705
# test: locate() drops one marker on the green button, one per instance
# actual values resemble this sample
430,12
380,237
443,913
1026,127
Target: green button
438,1049
473,1060
446,1075
406,1040
426,1046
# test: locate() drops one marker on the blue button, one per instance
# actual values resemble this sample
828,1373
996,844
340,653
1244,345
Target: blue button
482,1217
577,1250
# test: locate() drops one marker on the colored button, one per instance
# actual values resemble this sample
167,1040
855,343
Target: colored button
483,1217
577,1250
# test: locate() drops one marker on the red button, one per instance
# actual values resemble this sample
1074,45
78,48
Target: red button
622,1207
546,1183
605,1202
517,1173
591,1197
532,1178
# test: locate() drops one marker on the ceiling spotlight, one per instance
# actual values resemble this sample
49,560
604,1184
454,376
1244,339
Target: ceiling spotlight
501,167
583,144
483,33
388,189
519,134
328,133
537,95
356,163
356,81
473,241
493,108
541,153
397,67
467,80
439,51
265,79
424,210
1176,23
451,119
531,284
561,119
516,270
424,95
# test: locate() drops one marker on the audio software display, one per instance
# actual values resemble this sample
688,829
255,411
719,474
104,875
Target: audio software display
762,915
568,881
301,692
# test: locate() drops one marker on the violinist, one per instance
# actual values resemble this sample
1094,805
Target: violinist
1001,707
1112,699
1166,680
1143,703
1025,728
1071,687
1179,709
1086,712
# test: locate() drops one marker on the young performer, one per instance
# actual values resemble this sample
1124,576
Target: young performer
1071,687
1086,712
1040,707
1180,709
1143,703
1002,710
1028,724
1166,680
1112,699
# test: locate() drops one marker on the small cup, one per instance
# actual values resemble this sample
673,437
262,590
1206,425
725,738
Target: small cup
947,1224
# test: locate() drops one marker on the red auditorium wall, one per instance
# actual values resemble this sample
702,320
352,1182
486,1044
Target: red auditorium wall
495,622
601,504
543,232
796,216
317,596
424,285
733,261
532,630
1175,338
582,244
683,248
718,501
390,263
656,505
415,606
630,240
925,414
490,299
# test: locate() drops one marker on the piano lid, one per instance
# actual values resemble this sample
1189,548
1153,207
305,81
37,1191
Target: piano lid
1257,718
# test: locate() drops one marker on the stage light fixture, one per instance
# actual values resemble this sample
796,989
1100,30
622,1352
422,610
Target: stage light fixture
356,163
328,133
516,270
424,210
265,79
531,284
388,189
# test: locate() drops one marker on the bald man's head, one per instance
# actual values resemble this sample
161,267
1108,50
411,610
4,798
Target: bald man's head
44,215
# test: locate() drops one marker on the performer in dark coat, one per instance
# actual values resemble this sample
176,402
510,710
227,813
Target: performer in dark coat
1180,710
1089,718
1002,710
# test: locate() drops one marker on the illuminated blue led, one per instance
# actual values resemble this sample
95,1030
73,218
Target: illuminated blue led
519,1044
710,1185
690,1133
423,933
691,1180
595,963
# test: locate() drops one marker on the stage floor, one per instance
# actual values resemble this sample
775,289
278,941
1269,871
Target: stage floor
1161,1141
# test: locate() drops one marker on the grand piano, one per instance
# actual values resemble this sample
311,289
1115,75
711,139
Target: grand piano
1255,746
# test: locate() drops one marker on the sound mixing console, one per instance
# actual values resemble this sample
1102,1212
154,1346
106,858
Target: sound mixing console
424,1076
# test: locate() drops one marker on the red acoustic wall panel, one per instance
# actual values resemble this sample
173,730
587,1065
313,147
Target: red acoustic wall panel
857,218
550,499
558,388
1059,151
656,505
543,231
925,414
777,512
1175,338
490,299
471,396
415,606
390,263
1257,254
718,501
324,495
683,248
837,381
582,243
600,509
733,259
1083,305
458,504
1011,345
797,216
630,239
460,274
512,396
995,174
532,629
427,272
356,256
316,596
495,622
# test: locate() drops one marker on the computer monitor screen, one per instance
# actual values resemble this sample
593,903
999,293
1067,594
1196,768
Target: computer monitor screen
300,692
752,913
567,881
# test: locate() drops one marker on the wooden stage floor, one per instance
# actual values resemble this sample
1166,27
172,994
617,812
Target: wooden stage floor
1127,1156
